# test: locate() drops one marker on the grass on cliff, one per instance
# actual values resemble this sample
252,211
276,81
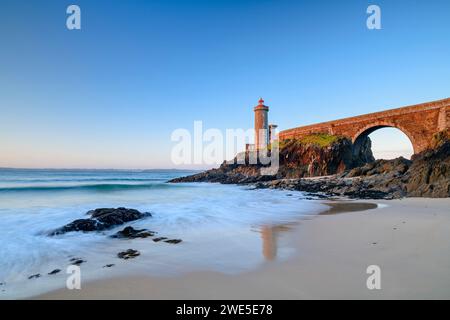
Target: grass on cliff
322,140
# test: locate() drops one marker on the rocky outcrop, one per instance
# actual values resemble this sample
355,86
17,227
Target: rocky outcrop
429,174
107,218
299,159
315,155
426,175
102,219
354,188
362,152
389,168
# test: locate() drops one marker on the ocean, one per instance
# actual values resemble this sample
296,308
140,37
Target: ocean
224,228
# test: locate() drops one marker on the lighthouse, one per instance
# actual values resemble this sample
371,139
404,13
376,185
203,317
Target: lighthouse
261,125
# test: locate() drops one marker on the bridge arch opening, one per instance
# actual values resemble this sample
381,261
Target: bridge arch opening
382,142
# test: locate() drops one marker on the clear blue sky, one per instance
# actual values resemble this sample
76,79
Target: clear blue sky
111,94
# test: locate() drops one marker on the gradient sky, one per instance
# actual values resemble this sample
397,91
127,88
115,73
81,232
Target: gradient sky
110,95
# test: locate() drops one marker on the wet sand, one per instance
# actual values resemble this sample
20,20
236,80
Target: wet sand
347,207
408,239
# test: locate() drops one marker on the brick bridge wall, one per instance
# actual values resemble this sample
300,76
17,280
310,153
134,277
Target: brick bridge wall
419,122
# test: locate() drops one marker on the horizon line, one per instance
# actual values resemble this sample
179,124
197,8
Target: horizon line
99,169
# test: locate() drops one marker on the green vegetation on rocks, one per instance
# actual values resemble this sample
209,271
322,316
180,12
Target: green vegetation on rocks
322,140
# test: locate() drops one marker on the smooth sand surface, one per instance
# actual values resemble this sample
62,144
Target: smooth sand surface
408,239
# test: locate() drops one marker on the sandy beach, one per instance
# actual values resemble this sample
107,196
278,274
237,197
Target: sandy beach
408,239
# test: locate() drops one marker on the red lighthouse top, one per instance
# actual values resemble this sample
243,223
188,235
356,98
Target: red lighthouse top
261,105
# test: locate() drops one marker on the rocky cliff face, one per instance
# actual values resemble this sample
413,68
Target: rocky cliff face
429,174
298,160
317,155
320,155
426,175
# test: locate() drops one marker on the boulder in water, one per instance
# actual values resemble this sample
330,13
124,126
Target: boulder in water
128,254
131,233
102,219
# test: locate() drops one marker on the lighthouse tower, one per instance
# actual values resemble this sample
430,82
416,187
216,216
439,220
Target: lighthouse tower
261,125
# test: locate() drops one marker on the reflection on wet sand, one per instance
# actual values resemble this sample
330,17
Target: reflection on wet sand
270,234
269,243
345,207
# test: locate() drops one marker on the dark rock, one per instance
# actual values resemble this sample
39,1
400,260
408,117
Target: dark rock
159,239
102,219
77,261
429,175
109,265
81,225
112,217
54,272
34,276
128,254
174,241
362,151
131,233
367,194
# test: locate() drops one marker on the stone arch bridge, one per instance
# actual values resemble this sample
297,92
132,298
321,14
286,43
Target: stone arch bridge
419,122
